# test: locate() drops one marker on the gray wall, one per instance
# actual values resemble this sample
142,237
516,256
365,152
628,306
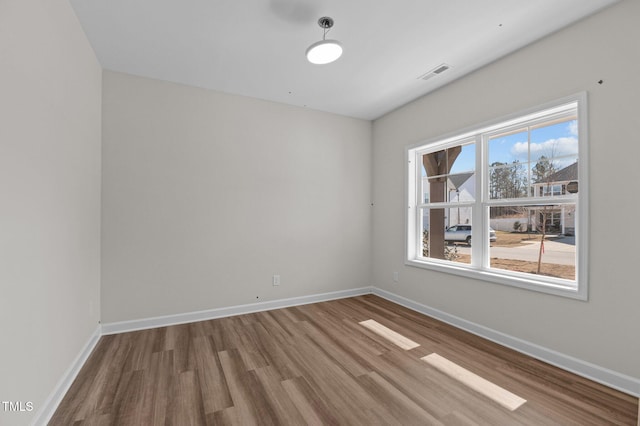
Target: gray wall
207,195
50,91
604,330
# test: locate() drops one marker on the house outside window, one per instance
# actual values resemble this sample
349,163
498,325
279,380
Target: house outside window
506,201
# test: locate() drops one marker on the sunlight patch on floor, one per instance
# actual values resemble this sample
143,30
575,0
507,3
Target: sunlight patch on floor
502,396
395,338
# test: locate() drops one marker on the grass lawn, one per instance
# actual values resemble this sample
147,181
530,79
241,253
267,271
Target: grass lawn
511,239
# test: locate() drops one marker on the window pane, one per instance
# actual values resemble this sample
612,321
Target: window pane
462,214
537,240
543,171
424,184
510,148
508,180
555,141
465,161
554,156
459,188
553,182
440,240
448,175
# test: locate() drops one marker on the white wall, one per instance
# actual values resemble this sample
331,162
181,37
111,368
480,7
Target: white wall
604,330
50,91
207,195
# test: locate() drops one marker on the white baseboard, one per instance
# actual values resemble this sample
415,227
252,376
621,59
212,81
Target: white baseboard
51,404
163,321
613,379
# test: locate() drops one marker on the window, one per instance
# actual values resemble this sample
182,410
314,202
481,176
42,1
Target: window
501,202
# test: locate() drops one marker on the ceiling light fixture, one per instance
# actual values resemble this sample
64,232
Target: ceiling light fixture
324,51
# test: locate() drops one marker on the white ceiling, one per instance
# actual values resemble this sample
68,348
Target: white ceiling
257,47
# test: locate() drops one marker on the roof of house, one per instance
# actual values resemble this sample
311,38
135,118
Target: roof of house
567,174
457,180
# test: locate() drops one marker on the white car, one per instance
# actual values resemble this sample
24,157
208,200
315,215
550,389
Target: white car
462,233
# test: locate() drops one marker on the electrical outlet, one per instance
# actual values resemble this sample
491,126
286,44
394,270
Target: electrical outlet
395,277
276,280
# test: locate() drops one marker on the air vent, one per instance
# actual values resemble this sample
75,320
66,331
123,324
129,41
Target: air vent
434,72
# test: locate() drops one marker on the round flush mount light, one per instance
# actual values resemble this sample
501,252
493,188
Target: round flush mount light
324,51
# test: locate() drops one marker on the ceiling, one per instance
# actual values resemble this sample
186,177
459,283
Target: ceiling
257,48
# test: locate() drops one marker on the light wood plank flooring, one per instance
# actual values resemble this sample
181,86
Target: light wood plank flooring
316,364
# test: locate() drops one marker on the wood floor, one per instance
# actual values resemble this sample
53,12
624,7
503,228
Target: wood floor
316,364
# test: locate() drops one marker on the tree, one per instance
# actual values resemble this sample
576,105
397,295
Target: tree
543,169
542,173
498,179
507,181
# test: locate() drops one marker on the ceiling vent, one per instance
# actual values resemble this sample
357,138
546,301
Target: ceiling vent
434,72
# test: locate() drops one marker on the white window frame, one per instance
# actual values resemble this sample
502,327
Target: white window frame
479,268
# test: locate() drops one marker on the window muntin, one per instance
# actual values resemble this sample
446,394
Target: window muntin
516,171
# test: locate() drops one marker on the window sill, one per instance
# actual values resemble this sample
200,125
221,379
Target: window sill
557,289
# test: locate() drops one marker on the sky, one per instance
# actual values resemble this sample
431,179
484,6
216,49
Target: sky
557,140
